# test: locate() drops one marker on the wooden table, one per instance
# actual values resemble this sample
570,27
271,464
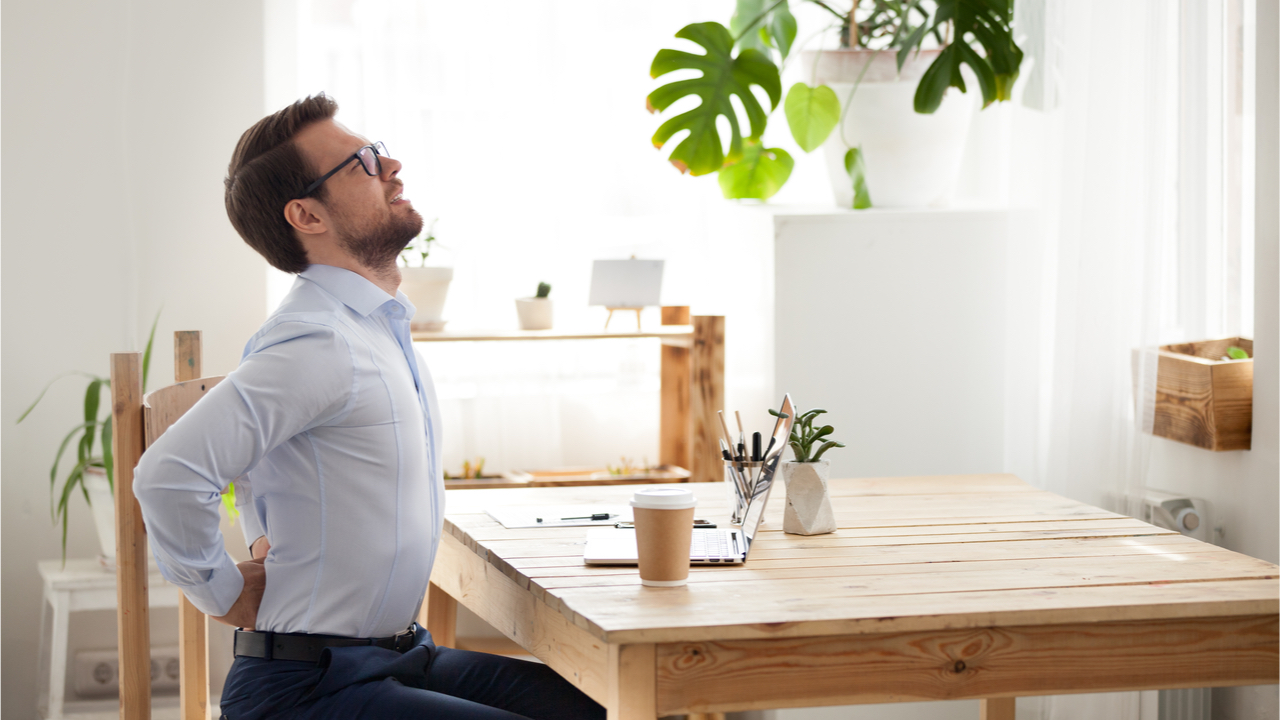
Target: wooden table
933,588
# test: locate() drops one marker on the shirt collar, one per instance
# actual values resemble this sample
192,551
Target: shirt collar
353,290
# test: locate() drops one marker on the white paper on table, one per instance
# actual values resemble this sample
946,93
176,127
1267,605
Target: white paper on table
523,516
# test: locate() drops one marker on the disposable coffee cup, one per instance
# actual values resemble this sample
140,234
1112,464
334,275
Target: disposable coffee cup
664,532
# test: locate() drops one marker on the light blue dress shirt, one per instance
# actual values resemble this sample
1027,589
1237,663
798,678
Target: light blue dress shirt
330,429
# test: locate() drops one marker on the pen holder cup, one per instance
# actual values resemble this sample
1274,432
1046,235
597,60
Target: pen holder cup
739,478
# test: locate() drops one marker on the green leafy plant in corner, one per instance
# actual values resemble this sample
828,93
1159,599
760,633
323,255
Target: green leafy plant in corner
544,289
85,436
977,33
1237,353
804,436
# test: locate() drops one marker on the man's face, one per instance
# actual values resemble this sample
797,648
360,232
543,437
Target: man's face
369,215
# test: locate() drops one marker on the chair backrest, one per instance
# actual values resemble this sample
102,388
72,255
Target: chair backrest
137,421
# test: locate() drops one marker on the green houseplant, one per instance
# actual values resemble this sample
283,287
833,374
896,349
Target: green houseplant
760,39
92,431
808,510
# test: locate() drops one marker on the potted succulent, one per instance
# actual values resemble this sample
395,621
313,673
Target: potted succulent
882,44
535,312
426,287
93,472
808,509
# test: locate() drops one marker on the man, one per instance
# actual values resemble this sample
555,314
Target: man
330,429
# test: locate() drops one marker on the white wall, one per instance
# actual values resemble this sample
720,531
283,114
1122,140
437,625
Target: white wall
119,119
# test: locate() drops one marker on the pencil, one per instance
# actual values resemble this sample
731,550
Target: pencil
724,427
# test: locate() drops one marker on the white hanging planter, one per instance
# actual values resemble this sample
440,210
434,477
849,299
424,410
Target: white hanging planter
427,288
534,313
808,509
912,160
103,505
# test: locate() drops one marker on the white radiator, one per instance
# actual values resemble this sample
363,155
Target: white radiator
1187,704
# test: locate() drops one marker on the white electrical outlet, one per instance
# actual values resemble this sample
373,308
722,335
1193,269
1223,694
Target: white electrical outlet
96,673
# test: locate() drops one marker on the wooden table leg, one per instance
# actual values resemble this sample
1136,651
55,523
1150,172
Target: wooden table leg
440,616
998,708
633,693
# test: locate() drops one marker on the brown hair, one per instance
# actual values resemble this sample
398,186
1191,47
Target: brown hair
266,172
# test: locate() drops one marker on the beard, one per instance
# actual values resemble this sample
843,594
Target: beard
377,248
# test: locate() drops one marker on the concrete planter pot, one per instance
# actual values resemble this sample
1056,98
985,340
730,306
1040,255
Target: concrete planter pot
535,313
912,160
808,503
427,288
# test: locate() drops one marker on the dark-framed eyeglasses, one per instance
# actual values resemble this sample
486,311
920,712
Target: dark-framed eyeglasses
369,160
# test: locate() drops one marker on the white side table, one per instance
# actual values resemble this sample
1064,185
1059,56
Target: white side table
80,585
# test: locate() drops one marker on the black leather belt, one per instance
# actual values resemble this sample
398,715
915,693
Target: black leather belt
304,647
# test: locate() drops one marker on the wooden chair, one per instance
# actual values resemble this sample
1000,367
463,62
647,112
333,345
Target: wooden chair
137,421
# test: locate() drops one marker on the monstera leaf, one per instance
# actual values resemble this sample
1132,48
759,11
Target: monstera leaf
758,175
723,76
776,29
988,22
812,113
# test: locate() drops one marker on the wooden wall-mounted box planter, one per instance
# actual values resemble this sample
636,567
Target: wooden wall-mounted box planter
1202,399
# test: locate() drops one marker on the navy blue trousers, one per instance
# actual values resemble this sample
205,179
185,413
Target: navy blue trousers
425,683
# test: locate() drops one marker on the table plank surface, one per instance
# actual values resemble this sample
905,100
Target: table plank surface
922,574
910,553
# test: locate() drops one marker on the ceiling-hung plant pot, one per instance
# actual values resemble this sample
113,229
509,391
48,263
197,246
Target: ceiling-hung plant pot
426,287
912,159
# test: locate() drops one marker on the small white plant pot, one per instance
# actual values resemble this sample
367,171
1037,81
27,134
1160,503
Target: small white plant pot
808,502
103,505
535,313
427,288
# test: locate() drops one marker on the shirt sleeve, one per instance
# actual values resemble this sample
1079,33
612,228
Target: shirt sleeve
298,376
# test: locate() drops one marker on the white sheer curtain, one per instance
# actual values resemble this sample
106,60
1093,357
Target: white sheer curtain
1126,235
522,128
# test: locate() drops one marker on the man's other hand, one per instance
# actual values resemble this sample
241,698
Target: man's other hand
244,612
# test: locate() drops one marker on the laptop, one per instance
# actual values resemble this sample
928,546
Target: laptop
718,546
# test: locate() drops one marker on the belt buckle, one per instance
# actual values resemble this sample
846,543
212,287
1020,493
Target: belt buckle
404,640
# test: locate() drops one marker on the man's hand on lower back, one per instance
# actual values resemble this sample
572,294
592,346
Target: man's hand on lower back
244,612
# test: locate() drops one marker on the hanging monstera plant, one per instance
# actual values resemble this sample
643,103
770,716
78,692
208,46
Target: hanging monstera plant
760,37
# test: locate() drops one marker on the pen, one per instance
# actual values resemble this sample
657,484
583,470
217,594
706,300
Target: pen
724,427
755,447
594,516
724,450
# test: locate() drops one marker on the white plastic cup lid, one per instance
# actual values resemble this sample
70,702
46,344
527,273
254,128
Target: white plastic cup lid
664,498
